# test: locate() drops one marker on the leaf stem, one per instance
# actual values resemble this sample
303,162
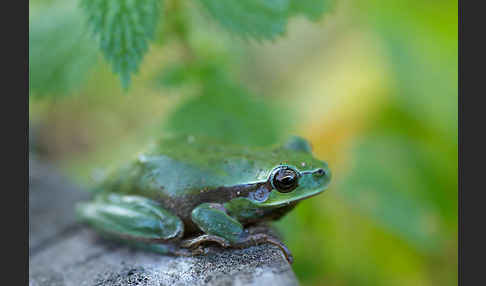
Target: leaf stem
181,29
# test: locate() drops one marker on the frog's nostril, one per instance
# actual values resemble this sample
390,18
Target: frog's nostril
319,172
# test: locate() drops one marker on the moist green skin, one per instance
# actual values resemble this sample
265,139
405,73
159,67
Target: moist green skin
208,185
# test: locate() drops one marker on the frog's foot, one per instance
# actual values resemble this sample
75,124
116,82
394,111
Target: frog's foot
199,250
197,241
248,240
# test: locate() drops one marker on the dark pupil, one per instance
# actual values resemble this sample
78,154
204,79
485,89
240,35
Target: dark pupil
285,180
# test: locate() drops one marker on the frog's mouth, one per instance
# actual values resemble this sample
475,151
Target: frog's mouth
277,199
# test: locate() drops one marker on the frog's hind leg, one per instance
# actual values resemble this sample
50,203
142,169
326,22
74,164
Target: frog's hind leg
134,219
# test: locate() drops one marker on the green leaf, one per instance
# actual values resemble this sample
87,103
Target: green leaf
250,18
423,54
175,76
180,74
60,51
124,29
437,149
389,182
312,9
261,19
227,112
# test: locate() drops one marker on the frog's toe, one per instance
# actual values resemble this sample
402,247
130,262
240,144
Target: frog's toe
197,241
179,251
248,240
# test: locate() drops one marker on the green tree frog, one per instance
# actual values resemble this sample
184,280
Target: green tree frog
186,192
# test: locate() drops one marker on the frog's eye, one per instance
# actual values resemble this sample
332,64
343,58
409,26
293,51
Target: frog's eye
285,179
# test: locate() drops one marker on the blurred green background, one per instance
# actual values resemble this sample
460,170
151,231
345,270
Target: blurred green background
372,84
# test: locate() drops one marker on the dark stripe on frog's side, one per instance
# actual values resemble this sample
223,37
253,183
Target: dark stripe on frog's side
182,206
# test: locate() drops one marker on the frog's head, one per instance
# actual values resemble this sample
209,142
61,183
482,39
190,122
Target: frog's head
300,177
288,174
290,184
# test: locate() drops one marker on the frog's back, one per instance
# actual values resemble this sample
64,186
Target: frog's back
182,172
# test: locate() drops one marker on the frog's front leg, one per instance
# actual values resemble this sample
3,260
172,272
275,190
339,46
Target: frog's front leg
221,228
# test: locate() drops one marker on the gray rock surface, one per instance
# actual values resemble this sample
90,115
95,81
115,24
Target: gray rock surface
63,252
